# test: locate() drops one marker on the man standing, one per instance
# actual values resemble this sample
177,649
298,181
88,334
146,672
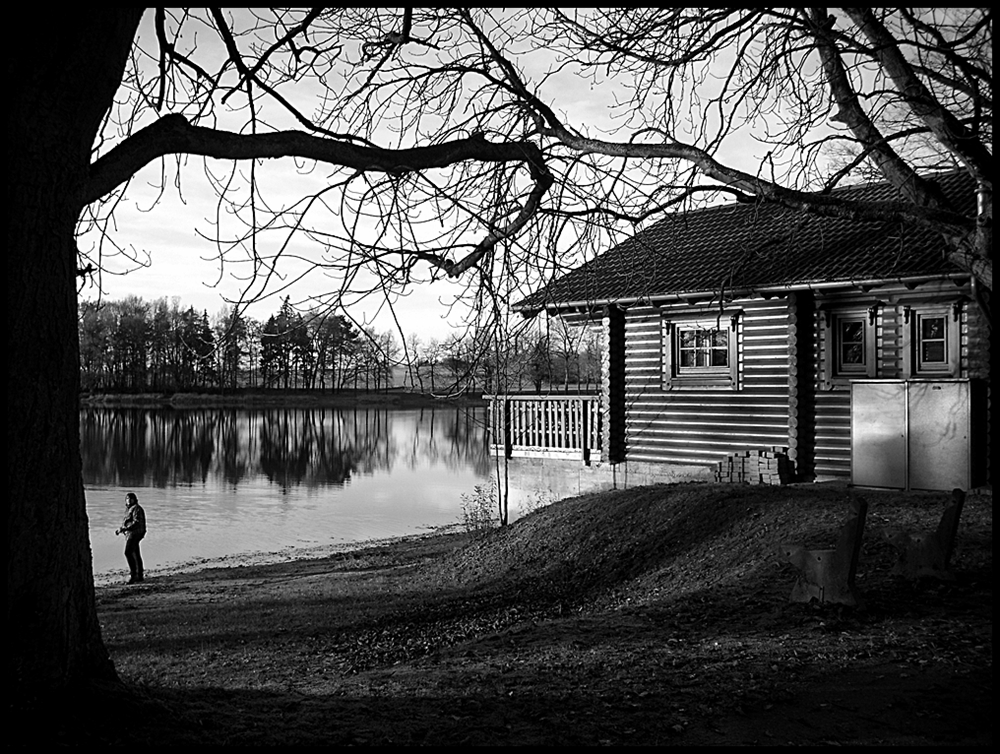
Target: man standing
134,529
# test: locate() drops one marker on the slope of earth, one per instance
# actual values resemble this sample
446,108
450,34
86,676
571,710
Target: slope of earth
653,616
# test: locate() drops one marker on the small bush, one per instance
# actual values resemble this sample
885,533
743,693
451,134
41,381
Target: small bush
479,508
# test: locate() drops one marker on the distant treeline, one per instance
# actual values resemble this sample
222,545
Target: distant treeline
135,346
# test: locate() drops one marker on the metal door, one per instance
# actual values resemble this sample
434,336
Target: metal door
939,435
878,434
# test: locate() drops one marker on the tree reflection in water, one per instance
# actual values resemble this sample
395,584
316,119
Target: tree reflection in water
135,447
226,481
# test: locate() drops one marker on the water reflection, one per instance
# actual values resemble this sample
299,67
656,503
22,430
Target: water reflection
339,474
166,447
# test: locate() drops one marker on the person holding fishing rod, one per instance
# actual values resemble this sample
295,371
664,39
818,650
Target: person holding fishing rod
134,528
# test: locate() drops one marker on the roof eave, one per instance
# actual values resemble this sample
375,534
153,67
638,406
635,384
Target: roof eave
909,282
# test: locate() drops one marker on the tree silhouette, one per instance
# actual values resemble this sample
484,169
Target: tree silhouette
428,143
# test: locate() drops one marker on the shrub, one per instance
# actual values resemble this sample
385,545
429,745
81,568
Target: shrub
479,508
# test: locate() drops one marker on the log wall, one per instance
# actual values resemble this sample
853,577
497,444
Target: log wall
700,426
783,398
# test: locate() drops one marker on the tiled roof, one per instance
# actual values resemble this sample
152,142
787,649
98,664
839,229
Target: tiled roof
750,247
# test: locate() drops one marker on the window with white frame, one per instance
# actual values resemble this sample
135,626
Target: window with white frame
930,341
852,338
700,351
849,345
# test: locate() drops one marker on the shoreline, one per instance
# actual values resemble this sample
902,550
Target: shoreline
294,399
255,558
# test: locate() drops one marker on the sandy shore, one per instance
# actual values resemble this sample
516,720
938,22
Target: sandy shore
270,557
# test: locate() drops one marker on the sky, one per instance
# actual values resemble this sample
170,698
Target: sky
169,256
162,230
180,263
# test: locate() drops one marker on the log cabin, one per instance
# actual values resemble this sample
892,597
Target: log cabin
748,342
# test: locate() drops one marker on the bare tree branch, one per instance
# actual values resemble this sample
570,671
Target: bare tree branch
948,129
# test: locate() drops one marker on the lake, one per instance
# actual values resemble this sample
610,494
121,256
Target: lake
222,482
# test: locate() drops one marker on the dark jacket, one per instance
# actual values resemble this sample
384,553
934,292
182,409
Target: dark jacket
134,524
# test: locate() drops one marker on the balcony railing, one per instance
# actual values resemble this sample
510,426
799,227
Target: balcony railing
564,426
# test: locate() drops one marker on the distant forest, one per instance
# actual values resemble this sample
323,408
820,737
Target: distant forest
135,346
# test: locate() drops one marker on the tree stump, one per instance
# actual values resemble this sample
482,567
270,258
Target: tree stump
827,576
927,554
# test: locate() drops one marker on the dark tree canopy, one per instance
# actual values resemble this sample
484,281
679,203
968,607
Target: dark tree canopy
427,142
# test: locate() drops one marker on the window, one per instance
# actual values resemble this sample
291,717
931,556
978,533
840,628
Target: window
851,339
930,341
700,352
849,345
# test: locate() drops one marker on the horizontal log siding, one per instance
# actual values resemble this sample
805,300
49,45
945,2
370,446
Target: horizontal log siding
833,405
700,426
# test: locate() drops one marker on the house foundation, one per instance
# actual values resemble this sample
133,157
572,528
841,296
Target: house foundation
557,478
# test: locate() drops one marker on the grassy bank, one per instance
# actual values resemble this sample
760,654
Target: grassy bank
652,616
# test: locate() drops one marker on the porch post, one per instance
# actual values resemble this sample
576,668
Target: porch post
801,382
613,386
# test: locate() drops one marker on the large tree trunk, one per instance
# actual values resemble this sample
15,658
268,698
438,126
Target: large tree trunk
62,88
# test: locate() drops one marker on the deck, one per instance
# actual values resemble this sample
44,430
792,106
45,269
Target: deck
546,426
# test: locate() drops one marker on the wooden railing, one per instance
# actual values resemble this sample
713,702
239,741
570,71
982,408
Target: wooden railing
539,426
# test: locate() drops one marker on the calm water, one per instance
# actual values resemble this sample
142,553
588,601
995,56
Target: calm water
223,482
